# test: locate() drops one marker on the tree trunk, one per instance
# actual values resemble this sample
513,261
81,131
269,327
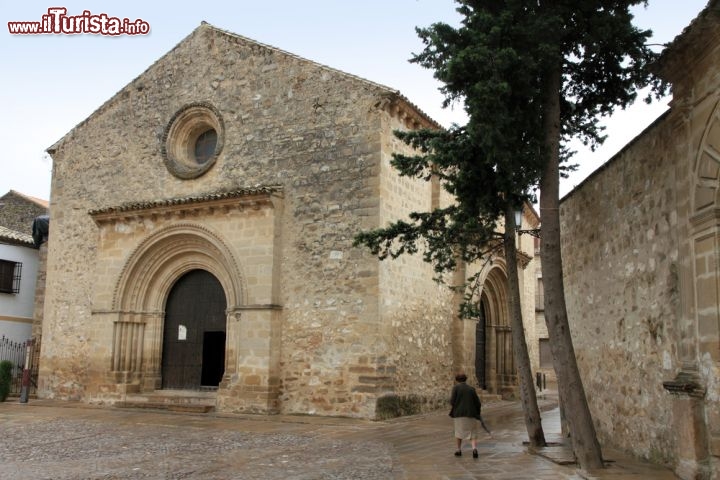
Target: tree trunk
533,421
570,388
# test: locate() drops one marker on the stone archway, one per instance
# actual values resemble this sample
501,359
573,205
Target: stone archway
699,348
142,251
499,364
707,167
143,289
705,233
499,332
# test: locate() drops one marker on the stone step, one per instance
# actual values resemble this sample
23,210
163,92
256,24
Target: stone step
172,400
172,407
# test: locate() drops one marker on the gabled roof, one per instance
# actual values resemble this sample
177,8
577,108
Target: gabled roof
388,90
17,211
298,57
37,201
383,91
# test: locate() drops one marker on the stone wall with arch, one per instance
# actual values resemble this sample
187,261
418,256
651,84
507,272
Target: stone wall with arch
484,344
142,253
164,256
704,230
301,164
641,252
501,377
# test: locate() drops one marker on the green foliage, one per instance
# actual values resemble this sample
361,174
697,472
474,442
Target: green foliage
5,379
496,64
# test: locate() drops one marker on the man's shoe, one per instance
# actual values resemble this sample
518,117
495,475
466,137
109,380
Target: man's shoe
458,453
475,454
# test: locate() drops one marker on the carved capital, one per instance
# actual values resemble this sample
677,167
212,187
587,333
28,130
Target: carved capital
685,383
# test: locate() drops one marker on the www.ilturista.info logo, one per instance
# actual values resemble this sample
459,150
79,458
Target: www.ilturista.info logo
57,21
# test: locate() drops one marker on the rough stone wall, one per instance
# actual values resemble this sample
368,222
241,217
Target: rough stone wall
640,241
312,130
17,212
39,306
416,312
620,253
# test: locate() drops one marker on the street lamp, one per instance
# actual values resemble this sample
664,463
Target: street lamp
535,232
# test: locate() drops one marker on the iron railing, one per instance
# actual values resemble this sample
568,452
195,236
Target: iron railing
17,353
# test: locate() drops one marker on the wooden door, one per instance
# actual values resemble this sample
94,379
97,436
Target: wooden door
194,333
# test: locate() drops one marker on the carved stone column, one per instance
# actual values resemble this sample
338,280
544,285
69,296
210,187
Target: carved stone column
127,351
152,369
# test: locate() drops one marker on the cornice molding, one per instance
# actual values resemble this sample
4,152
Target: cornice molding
408,113
253,197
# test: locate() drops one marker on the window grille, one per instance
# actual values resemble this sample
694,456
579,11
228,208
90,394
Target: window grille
10,273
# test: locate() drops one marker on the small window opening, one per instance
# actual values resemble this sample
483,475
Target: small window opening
205,146
10,273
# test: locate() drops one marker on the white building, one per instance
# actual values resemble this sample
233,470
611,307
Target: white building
19,259
18,274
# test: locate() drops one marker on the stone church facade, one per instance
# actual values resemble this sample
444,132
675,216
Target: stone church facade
202,223
641,246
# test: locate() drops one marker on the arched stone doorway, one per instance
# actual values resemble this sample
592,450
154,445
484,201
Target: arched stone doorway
705,234
494,362
144,253
696,385
194,333
163,270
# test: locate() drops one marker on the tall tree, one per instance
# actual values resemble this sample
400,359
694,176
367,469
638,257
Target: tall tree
532,75
531,411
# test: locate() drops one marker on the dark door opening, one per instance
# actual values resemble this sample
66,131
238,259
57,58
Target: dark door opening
480,372
213,359
194,333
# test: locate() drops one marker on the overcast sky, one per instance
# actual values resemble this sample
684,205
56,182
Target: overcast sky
50,83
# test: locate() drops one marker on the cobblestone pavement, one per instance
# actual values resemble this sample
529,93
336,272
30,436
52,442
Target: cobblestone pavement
66,441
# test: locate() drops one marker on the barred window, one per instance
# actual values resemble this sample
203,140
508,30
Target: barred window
10,276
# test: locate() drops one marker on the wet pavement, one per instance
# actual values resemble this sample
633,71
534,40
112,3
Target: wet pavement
55,440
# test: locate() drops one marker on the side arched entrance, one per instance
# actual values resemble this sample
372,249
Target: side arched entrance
493,350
